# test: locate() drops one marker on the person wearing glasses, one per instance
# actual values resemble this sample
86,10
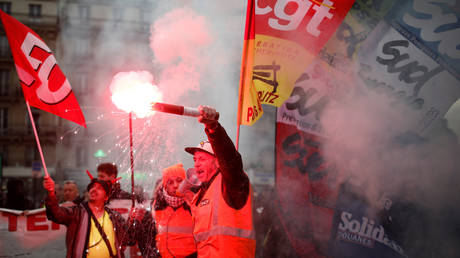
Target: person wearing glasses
221,209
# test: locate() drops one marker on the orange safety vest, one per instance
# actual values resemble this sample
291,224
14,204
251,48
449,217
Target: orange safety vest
174,232
221,231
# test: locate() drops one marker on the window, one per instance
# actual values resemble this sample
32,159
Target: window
82,83
3,120
117,14
146,16
4,81
145,20
35,10
30,155
82,47
83,11
4,46
6,7
82,157
36,116
4,154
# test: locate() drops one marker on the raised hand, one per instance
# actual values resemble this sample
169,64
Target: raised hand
137,214
48,184
208,116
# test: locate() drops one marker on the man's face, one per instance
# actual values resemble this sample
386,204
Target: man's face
102,175
58,190
97,193
70,192
205,165
172,185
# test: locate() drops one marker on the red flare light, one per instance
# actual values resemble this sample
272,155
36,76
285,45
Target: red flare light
134,91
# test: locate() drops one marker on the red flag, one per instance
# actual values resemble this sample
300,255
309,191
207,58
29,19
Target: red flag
282,38
43,83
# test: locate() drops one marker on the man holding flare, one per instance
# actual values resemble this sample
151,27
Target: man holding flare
222,208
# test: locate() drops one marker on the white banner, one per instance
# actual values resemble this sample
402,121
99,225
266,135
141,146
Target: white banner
395,63
31,234
313,91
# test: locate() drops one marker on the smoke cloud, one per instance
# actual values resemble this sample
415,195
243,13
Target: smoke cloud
193,50
193,53
178,41
372,141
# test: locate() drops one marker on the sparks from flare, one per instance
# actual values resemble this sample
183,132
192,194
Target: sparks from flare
155,140
155,137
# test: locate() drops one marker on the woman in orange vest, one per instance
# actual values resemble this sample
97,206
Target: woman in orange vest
221,209
173,217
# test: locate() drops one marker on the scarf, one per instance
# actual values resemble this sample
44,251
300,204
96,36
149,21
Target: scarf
172,200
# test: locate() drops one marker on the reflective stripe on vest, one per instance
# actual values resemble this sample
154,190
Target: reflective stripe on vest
219,229
174,232
175,229
224,230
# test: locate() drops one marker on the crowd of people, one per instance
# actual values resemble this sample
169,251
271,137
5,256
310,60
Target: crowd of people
212,210
212,218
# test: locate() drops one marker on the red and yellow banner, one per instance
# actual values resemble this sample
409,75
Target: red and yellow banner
282,38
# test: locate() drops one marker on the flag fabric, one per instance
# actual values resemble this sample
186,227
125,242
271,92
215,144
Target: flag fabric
249,107
376,52
282,38
43,83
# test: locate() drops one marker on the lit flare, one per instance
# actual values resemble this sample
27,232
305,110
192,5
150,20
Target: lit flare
134,91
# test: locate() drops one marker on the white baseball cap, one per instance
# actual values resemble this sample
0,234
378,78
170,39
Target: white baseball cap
204,146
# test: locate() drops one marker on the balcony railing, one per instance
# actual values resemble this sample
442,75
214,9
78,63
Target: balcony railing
42,20
46,131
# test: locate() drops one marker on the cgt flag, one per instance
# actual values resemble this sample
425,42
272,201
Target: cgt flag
43,83
282,38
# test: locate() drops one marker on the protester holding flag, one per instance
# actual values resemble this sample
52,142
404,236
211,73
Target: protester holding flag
93,230
43,83
222,208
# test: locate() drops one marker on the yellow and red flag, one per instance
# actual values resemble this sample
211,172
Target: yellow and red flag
282,38
43,83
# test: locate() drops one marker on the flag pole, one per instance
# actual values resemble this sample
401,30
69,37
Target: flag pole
248,33
132,157
36,138
237,136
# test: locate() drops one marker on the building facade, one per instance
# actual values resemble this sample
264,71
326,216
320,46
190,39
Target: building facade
99,38
18,149
81,34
